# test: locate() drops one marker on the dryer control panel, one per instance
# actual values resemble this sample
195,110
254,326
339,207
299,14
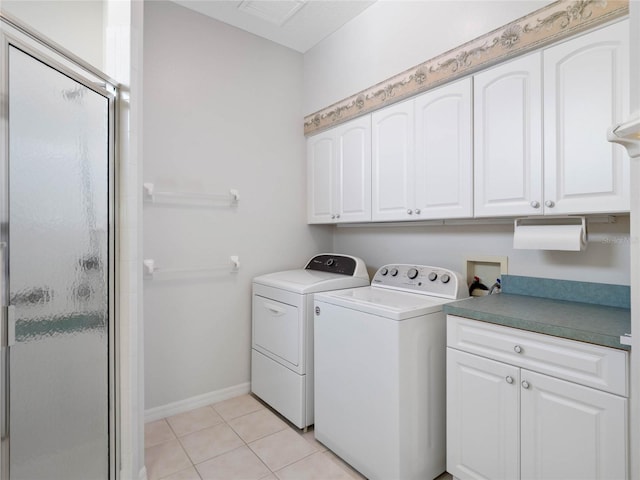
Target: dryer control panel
424,279
334,263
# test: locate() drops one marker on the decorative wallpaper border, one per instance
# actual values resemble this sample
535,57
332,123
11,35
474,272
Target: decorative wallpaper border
549,24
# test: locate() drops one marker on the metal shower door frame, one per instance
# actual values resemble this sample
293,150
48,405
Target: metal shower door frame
14,33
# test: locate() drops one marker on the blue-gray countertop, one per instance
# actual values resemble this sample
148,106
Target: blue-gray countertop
598,324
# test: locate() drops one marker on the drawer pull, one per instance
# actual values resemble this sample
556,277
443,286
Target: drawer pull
517,349
509,379
525,384
274,309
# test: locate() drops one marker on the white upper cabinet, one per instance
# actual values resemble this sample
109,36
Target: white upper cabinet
353,185
444,152
554,105
339,173
526,137
508,139
422,156
320,177
392,162
586,91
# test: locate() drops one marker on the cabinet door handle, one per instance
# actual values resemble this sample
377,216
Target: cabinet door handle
417,211
549,203
333,217
535,204
525,384
409,211
517,349
509,379
337,215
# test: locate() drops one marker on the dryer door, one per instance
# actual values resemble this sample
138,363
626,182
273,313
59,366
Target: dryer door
277,331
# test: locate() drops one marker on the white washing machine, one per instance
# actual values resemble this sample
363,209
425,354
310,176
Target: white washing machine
380,371
282,339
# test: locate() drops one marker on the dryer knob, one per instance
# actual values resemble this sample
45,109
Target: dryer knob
394,272
384,271
432,276
445,278
412,273
317,311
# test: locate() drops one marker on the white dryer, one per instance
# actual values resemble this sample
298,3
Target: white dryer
282,337
380,371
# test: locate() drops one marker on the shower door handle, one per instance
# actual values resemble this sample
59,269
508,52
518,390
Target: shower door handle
5,311
9,327
4,327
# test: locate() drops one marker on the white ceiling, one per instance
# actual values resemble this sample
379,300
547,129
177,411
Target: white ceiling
297,24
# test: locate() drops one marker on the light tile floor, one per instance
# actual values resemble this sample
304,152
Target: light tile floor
238,439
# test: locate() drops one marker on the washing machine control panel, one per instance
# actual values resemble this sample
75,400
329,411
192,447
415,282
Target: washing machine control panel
435,281
329,262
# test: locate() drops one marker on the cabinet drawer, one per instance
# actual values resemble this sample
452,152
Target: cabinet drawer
591,365
279,387
277,330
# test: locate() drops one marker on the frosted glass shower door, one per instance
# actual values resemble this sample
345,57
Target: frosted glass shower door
59,269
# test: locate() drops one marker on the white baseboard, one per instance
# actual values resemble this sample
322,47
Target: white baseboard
181,406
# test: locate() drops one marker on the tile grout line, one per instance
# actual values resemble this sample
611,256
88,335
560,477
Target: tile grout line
245,443
317,447
288,464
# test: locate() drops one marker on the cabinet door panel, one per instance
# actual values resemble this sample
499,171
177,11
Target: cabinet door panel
354,170
482,418
444,173
570,431
586,91
508,138
320,178
392,162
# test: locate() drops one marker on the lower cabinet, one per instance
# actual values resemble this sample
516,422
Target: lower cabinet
570,431
509,422
483,428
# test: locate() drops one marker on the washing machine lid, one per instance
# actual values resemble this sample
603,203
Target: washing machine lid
309,281
392,304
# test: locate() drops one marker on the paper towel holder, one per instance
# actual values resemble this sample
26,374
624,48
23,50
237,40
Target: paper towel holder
627,134
568,233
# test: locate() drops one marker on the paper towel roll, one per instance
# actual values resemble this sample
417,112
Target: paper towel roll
570,237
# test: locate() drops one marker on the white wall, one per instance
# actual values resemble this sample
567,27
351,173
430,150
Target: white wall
392,36
123,61
222,109
77,25
606,259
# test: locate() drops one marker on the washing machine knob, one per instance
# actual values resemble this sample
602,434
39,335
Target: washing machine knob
433,276
412,273
445,278
384,271
394,272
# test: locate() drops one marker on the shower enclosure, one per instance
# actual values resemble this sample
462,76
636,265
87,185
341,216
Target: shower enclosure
57,264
